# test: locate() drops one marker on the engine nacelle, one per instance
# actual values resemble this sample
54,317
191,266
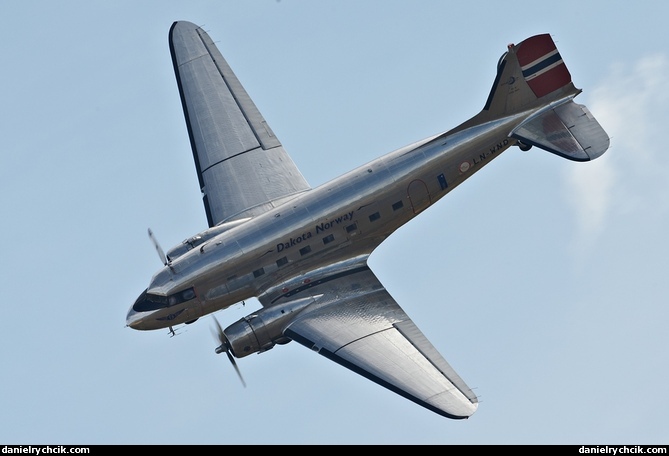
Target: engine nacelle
261,330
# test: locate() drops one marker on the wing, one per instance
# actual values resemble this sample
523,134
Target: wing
356,323
242,167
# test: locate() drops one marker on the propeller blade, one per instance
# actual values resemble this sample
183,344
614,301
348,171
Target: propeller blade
225,346
161,254
219,333
234,364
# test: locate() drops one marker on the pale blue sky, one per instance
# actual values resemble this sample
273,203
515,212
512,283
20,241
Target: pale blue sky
541,280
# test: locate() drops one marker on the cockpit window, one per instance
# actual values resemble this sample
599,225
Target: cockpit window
150,301
181,296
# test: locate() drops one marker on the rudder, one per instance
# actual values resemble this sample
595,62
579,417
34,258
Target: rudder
529,73
541,65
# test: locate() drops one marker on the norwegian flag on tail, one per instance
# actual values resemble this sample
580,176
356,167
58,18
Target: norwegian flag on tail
541,64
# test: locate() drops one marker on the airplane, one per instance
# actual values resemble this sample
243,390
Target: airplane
303,252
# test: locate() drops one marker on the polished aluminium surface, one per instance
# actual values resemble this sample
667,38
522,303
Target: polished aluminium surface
229,137
303,252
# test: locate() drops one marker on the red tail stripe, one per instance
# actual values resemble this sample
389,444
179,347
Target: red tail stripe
531,53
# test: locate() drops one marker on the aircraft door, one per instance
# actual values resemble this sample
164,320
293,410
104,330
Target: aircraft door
418,195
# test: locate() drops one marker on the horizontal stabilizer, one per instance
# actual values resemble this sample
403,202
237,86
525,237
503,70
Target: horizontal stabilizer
568,130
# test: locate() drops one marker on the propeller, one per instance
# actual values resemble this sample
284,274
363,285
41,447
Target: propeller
161,254
225,347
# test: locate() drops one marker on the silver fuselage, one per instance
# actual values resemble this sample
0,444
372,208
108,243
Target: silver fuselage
348,216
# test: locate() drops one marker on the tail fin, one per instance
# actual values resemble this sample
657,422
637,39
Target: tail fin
526,73
532,76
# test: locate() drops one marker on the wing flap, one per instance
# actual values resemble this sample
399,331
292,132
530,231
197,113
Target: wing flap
357,324
242,167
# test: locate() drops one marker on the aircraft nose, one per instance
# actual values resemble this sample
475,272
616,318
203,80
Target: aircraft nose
134,319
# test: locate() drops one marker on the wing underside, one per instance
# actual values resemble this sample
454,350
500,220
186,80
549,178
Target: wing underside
243,169
356,323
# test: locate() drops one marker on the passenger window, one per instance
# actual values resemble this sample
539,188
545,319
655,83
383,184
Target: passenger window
442,181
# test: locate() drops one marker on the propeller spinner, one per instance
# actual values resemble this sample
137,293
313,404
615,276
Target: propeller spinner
225,347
